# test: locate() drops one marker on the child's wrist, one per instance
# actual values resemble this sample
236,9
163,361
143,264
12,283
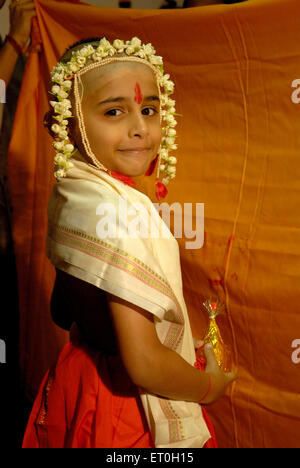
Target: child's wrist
208,390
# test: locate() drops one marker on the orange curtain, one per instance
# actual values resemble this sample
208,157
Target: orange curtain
239,140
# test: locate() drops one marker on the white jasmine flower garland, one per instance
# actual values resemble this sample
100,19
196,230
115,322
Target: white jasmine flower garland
62,77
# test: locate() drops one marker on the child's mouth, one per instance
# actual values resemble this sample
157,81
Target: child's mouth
135,150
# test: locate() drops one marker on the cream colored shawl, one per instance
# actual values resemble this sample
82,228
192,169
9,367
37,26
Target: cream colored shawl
143,270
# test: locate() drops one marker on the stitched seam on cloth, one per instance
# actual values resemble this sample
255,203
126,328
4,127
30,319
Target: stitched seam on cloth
230,242
249,241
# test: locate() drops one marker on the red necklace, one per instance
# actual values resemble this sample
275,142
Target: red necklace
124,178
161,190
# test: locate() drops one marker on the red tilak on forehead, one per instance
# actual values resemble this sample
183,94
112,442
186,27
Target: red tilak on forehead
138,95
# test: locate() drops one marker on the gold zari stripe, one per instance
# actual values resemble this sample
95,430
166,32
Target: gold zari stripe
175,423
119,258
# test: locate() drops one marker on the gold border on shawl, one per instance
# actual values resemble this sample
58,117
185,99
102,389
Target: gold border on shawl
176,431
98,248
119,258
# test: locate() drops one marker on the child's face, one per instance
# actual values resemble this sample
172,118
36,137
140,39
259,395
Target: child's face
124,134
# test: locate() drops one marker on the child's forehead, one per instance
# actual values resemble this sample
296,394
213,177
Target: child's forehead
114,73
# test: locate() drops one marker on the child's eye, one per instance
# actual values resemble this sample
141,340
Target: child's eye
154,111
110,112
145,111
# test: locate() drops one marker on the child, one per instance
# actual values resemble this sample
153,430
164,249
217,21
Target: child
127,378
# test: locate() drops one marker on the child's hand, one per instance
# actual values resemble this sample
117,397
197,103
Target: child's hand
21,13
220,380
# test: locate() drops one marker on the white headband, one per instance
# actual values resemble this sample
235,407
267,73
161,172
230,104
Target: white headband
93,55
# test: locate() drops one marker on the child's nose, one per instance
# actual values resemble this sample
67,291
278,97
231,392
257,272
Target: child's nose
138,125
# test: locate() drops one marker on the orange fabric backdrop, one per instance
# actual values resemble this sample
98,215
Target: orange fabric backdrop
233,67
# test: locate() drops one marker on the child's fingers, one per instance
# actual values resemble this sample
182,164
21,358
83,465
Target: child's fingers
28,7
21,3
210,358
198,343
231,376
213,366
18,7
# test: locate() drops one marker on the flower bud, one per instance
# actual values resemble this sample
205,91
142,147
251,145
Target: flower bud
129,50
55,128
62,94
60,173
69,165
60,159
119,45
58,145
172,160
136,42
67,84
55,89
69,148
171,132
156,60
169,141
63,134
171,170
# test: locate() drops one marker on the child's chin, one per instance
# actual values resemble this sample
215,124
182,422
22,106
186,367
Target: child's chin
134,174
134,171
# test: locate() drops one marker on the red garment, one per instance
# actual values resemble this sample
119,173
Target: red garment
201,364
160,189
127,179
124,178
88,401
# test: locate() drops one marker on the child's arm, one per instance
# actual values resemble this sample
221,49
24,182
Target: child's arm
20,27
157,369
